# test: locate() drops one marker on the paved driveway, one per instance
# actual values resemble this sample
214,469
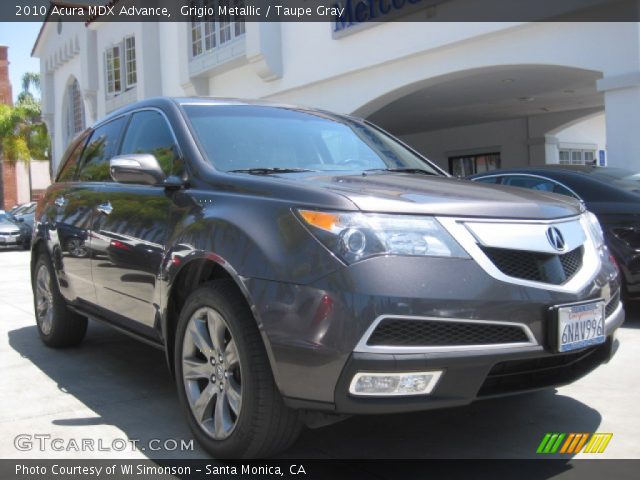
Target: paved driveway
112,388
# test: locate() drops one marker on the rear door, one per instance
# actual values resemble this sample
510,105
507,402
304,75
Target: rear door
133,228
76,231
70,208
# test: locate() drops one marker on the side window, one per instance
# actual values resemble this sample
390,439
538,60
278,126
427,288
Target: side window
491,180
68,170
101,147
562,190
149,132
533,183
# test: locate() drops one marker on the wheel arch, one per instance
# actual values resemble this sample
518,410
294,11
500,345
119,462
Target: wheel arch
38,247
199,269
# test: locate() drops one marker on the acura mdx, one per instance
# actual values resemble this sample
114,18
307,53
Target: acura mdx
299,266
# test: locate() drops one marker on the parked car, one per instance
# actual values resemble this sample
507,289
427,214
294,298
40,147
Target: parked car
25,213
13,232
299,266
73,239
23,209
612,194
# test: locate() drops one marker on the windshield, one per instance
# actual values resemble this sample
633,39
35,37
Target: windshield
246,137
23,209
613,173
6,219
625,179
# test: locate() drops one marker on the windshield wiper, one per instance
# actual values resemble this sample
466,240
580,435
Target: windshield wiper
402,170
268,171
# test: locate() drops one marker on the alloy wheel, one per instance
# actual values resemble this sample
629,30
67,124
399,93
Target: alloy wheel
44,299
211,373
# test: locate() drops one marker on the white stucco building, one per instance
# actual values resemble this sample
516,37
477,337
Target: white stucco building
466,95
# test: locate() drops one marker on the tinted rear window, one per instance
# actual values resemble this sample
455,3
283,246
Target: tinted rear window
68,170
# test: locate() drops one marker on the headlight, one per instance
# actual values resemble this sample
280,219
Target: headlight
595,229
356,236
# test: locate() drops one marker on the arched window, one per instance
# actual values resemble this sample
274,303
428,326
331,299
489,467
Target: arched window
75,110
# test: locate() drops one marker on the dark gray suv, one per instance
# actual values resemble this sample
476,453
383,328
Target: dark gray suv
299,266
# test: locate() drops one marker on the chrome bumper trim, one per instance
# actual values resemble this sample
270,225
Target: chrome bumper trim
363,347
614,320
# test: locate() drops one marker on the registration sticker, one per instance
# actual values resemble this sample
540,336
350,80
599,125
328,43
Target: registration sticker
580,326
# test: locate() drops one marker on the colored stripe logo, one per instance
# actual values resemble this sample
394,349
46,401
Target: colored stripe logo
573,443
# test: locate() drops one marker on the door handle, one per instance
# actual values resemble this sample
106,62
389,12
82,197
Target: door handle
105,208
60,202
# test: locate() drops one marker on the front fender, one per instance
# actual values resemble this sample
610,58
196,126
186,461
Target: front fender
249,237
178,263
258,237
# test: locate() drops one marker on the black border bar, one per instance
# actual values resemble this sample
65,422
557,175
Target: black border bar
342,12
569,469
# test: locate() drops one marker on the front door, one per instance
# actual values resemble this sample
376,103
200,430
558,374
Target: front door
132,227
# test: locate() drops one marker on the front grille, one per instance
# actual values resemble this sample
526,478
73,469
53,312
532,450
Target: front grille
613,303
536,266
5,234
533,373
428,333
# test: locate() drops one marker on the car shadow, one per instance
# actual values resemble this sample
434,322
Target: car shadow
128,385
500,428
125,382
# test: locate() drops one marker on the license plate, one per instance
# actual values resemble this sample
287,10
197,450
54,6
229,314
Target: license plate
580,326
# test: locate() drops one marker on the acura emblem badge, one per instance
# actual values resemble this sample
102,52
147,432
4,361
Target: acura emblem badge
555,238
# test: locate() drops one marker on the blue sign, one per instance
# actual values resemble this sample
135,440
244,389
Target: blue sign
357,12
602,161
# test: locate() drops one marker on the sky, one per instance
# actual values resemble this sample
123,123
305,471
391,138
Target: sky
20,38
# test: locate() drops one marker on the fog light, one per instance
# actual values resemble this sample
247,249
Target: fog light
394,384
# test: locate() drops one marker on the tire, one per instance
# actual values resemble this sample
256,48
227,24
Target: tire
57,325
239,408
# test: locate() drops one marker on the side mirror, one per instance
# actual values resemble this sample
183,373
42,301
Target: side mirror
141,168
20,219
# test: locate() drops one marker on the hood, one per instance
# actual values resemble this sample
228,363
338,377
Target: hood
9,227
388,192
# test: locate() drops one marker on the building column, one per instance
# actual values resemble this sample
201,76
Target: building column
622,113
543,150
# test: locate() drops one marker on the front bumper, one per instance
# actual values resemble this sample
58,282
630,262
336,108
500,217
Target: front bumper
13,240
312,332
473,377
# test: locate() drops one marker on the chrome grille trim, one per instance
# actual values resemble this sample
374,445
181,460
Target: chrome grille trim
457,227
530,237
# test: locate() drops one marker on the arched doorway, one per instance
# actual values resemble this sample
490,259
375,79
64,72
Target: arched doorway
491,117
